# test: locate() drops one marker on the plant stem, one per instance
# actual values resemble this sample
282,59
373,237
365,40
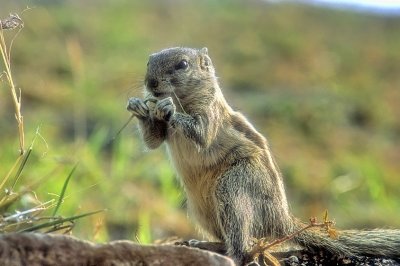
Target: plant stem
15,21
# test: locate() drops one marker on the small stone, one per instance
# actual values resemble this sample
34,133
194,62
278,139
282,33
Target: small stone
346,261
293,261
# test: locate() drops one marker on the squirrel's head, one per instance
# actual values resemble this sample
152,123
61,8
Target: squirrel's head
178,71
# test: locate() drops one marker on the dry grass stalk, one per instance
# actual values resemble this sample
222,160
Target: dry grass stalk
12,22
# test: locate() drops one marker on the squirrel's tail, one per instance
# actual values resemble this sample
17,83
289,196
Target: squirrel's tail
375,242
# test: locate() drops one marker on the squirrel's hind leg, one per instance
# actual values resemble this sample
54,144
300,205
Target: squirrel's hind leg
236,212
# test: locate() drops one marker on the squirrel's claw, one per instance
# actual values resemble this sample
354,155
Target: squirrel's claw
164,109
138,107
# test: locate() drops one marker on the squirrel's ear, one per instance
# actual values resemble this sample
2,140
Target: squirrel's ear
204,51
205,60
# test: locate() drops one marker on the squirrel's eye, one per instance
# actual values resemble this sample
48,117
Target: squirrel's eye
182,65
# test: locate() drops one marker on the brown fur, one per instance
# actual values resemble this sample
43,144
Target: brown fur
233,186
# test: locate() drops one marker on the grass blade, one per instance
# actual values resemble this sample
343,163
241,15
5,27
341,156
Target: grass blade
21,167
58,222
4,181
64,188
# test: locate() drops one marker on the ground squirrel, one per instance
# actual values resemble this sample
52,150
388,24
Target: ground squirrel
233,185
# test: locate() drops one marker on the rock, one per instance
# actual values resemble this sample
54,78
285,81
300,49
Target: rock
46,249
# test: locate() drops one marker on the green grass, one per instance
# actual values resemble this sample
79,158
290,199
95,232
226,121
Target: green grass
322,85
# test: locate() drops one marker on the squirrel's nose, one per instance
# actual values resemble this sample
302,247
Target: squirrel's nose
152,83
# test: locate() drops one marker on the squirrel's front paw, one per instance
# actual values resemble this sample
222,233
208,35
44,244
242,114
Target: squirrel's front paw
138,107
164,109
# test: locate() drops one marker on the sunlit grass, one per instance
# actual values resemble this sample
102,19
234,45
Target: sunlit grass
15,191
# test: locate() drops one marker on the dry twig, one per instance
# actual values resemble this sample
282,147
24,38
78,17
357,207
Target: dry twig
262,246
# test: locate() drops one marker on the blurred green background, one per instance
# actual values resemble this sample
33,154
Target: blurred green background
322,85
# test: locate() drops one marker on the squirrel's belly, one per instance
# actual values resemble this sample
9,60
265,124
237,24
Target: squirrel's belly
202,211
198,182
184,153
